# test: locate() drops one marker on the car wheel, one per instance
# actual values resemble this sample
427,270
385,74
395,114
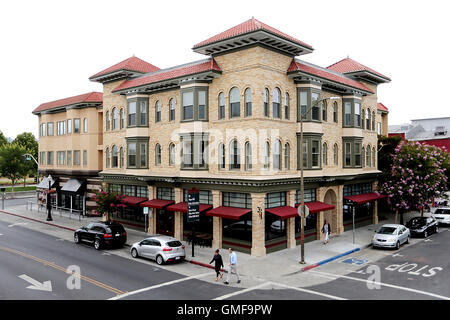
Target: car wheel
134,253
425,234
407,240
159,260
97,244
398,245
437,229
76,238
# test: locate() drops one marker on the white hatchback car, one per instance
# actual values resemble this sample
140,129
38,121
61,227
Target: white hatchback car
160,248
442,215
391,236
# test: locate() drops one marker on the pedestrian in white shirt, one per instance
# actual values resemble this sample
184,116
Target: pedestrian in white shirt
232,266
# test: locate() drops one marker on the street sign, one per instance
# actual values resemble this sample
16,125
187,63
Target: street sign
299,211
146,210
193,214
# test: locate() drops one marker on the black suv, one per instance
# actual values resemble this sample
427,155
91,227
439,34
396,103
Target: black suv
101,234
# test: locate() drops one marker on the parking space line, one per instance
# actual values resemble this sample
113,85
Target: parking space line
226,296
335,276
159,286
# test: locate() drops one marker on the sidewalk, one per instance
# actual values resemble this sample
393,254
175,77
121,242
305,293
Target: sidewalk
273,265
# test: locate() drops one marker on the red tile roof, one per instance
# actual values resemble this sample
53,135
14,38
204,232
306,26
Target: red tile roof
91,97
382,107
247,27
323,73
132,64
171,73
349,65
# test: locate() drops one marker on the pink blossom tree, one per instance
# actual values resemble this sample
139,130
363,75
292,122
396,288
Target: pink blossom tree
108,203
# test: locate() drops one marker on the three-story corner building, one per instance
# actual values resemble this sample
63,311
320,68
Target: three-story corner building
70,150
229,126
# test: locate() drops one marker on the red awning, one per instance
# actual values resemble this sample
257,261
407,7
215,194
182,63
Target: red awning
283,212
228,212
365,197
317,206
183,207
133,201
156,203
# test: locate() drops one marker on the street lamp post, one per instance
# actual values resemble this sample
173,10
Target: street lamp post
28,157
302,185
49,204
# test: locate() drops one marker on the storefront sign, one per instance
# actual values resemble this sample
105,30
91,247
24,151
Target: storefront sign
146,210
193,214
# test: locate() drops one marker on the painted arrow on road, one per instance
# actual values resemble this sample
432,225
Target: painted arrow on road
36,285
17,224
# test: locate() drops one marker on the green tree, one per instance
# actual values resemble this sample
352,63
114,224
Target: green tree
12,165
386,151
29,142
107,203
3,139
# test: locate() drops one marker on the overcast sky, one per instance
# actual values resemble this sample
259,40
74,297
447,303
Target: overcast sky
50,48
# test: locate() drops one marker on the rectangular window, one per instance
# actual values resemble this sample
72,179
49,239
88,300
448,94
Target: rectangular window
305,153
315,152
129,191
76,158
50,128
348,153
310,195
276,199
357,153
69,158
348,113
205,196
357,114
132,154
143,155
165,194
143,106
69,125
43,126
188,154
201,104
50,158
379,128
315,112
303,103
60,128
142,192
85,125
188,105
61,158
76,125
132,113
239,200
84,157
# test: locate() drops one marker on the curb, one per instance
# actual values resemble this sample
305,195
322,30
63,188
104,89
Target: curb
35,220
202,264
317,264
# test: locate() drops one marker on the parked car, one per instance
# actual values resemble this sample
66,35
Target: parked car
278,226
102,234
423,226
442,215
160,248
391,236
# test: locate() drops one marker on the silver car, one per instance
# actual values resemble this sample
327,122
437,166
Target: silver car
160,248
391,236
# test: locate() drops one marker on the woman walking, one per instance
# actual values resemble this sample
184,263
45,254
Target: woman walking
326,229
218,263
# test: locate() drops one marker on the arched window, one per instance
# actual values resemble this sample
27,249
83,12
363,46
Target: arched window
324,154
115,120
158,111
115,157
324,111
373,157
108,123
107,158
172,110
158,154
277,155
122,162
362,157
287,109
248,156
121,119
335,112
235,103
368,119
248,102
368,159
266,155
287,156
276,103
266,102
373,121
221,156
335,154
235,155
221,105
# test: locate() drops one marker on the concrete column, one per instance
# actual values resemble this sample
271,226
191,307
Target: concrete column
290,223
258,225
178,228
375,204
320,195
151,216
217,222
340,208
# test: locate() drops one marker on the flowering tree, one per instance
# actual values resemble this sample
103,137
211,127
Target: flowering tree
108,203
417,175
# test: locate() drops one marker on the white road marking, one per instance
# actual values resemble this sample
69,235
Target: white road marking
1,234
17,224
105,254
159,286
309,291
397,255
36,285
59,239
335,276
428,240
226,296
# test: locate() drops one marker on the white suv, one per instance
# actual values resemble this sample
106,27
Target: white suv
442,215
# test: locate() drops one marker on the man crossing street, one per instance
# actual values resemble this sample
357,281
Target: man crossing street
232,266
